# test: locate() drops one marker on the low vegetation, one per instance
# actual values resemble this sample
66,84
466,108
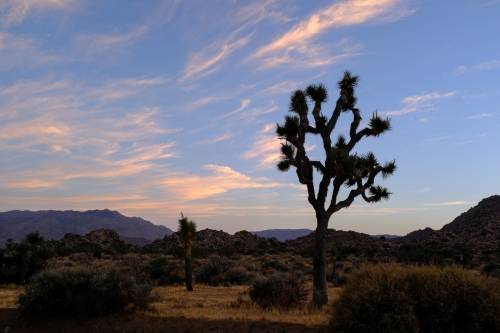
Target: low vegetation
82,292
19,261
280,290
392,298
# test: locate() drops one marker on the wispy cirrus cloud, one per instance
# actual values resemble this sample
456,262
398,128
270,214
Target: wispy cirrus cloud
18,52
94,43
261,10
217,139
480,116
244,103
14,11
480,67
266,147
204,101
118,89
220,179
311,56
449,203
284,87
242,23
421,102
207,60
58,124
297,43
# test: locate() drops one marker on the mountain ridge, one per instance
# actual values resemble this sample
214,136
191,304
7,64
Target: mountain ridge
478,227
54,224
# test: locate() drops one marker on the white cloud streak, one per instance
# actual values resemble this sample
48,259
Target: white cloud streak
296,45
480,67
419,103
14,11
449,203
206,61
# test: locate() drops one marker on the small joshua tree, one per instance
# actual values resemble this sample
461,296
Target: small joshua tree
342,166
187,233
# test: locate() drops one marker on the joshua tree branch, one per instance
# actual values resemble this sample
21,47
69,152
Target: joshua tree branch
335,116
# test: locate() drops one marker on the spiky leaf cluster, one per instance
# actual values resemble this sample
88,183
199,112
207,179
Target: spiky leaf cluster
378,193
346,86
379,125
341,167
317,93
298,103
290,128
187,229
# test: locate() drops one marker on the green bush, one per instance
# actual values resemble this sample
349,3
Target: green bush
280,290
82,292
393,298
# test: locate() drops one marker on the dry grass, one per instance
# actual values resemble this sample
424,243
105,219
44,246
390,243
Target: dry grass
206,306
230,303
8,296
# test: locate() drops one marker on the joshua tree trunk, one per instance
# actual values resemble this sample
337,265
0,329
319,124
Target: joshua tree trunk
320,295
188,267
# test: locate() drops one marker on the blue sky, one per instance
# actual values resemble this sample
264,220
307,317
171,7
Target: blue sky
157,107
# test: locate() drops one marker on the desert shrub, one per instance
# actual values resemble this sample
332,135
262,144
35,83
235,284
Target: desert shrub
158,268
18,262
82,291
213,270
280,290
392,298
238,275
162,271
274,264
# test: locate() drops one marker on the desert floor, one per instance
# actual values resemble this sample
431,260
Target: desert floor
207,309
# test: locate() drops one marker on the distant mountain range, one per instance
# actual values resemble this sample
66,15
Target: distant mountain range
477,229
53,224
283,234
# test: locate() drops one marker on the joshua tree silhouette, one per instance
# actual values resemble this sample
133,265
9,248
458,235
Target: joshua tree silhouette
187,233
342,167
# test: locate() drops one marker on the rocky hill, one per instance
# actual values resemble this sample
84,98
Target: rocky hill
55,224
97,241
480,223
210,241
347,242
477,227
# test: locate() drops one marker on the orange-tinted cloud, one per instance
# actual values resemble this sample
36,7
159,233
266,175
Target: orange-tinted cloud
220,179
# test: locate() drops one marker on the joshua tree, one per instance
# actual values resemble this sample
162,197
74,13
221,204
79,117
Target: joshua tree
342,166
187,232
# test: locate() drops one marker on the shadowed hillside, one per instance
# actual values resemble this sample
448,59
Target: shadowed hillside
283,234
55,224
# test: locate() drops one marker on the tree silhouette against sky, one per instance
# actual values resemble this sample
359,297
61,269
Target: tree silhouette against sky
342,167
187,233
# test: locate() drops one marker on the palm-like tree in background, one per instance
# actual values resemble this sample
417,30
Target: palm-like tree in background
187,233
342,168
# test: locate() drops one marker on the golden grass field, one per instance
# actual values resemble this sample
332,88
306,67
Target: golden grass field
206,308
8,296
233,303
